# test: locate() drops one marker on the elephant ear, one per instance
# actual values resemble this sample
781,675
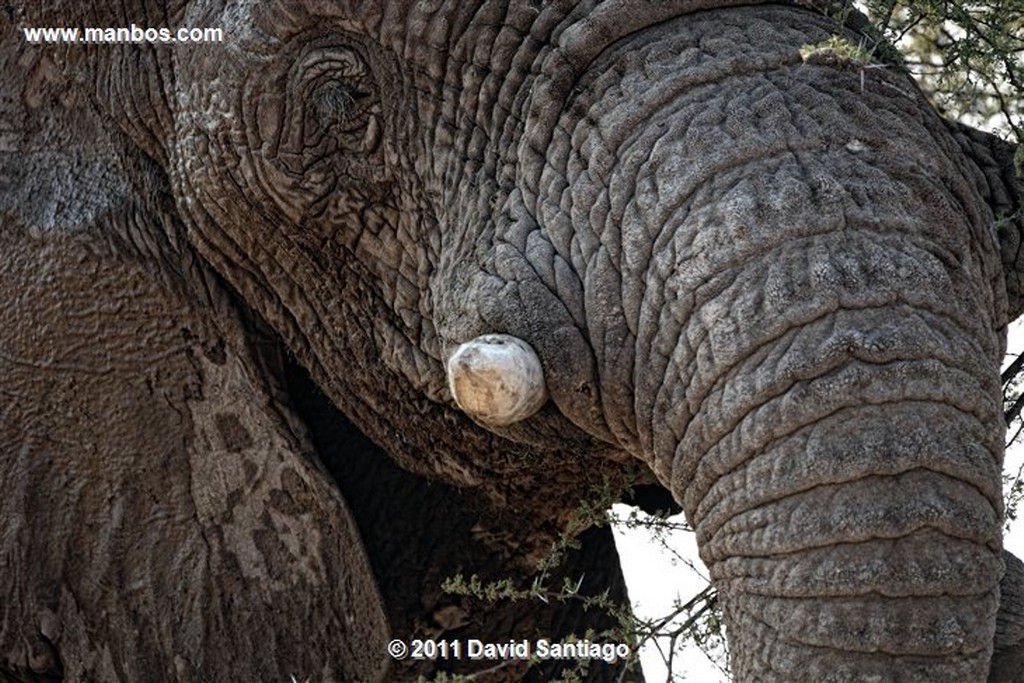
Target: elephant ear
132,83
1000,181
1008,655
162,518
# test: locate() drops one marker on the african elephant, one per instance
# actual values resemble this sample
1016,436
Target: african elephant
520,246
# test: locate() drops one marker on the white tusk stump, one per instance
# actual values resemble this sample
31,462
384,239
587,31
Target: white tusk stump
497,379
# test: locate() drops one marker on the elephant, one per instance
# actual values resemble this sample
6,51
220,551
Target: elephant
299,323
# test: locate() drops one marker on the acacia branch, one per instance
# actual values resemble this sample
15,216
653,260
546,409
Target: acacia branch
1013,369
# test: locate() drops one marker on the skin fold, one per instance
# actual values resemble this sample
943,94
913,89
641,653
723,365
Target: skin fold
774,280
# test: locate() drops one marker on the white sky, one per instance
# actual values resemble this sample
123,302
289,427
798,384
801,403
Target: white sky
655,578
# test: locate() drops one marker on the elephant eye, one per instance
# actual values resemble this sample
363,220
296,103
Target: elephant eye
334,104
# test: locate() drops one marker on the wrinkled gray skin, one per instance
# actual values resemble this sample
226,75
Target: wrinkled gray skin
778,283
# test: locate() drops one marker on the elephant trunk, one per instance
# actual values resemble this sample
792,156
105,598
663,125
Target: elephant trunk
845,495
828,412
793,301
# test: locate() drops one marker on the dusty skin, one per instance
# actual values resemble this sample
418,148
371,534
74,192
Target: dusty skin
234,274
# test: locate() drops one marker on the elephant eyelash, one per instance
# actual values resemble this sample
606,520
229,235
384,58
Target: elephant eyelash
336,102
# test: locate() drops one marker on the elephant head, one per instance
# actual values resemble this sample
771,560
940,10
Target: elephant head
523,244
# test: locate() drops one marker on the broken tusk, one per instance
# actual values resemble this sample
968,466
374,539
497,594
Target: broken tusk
497,379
